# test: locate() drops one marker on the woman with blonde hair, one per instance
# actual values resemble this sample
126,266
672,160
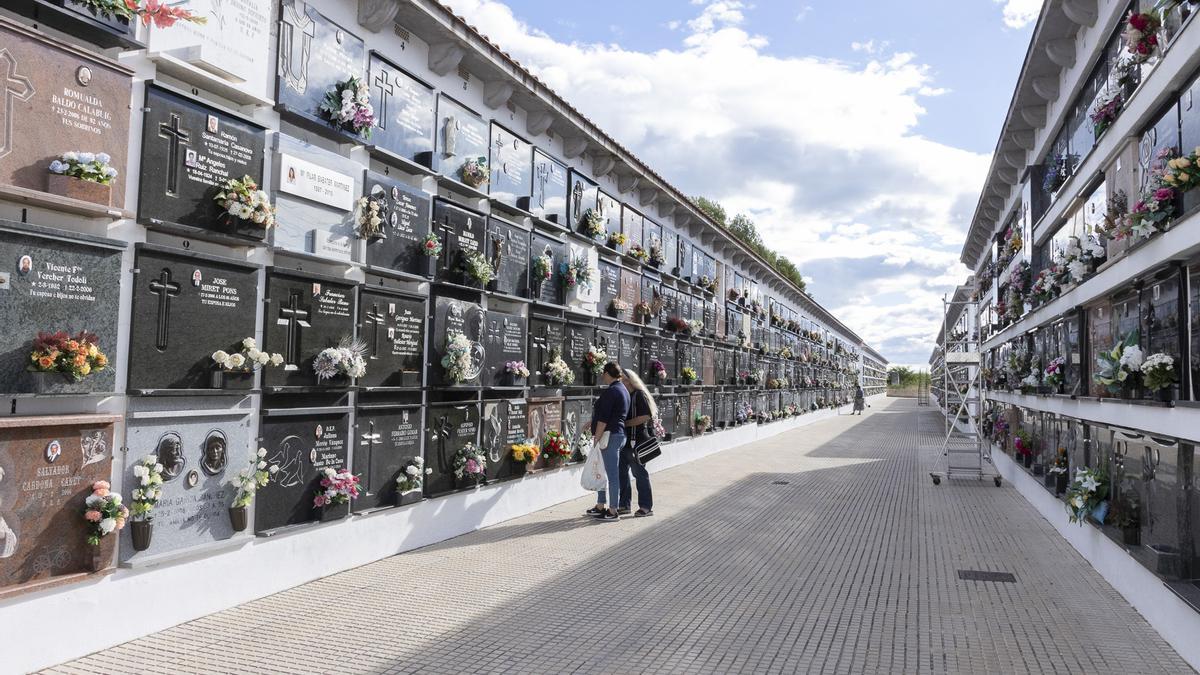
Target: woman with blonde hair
639,426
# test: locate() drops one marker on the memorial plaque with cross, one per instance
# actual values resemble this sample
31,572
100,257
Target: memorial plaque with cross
52,280
650,294
546,338
670,247
315,197
662,350
631,288
185,307
511,165
200,456
608,339
610,290
683,306
652,236
56,98
314,55
504,340
386,439
453,317
502,426
303,446
666,413
551,290
407,218
577,423
462,232
575,346
462,139
543,415
631,225
581,197
629,358
609,209
670,305
392,326
189,150
405,110
684,269
506,247
304,314
449,427
231,50
548,198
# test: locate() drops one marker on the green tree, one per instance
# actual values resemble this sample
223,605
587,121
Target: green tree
711,209
742,227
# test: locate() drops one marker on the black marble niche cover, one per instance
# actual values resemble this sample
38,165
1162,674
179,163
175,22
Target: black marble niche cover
407,219
609,208
449,427
303,446
610,290
631,347
666,413
670,244
304,314
386,440
392,327
546,337
80,20
314,55
550,290
405,110
186,306
608,339
661,349
652,235
576,419
507,248
502,425
684,264
578,338
452,316
189,150
462,136
548,197
461,231
582,196
511,166
504,340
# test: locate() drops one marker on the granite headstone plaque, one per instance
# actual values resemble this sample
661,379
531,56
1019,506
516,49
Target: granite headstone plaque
453,317
189,150
548,199
405,212
708,366
448,429
392,326
609,209
185,307
502,426
699,265
551,290
581,198
304,314
610,290
200,457
507,249
47,467
708,309
405,109
666,413
314,55
511,165
631,225
546,338
462,233
684,266
631,288
659,349
650,292
577,423
544,414
579,337
683,416
670,305
315,196
652,236
504,340
462,139
670,247
303,446
59,99
386,440
629,357
683,306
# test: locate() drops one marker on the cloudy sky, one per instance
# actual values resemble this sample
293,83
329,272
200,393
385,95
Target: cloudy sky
856,135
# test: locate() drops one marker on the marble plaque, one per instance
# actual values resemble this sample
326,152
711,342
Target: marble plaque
659,349
47,467
314,55
631,287
303,446
507,248
610,211
549,291
631,225
670,305
578,338
683,416
392,326
708,365
189,150
53,280
629,357
405,110
504,340
448,429
304,314
610,289
233,46
577,421
670,247
684,266
502,426
452,317
386,439
652,235
59,99
666,413
511,165
461,231
315,200
546,337
407,219
649,292
185,307
581,198
584,296
548,198
607,338
462,137
200,457
544,414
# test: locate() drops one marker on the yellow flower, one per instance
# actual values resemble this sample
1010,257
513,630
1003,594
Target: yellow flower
1183,178
93,350
85,369
1183,163
1171,164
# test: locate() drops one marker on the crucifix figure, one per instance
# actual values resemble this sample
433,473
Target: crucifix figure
577,201
543,176
442,433
176,137
384,85
16,88
447,230
499,243
376,319
165,289
294,317
368,440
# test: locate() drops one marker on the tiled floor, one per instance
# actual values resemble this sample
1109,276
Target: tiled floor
826,549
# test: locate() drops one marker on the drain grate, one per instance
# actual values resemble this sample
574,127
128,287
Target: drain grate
977,575
781,482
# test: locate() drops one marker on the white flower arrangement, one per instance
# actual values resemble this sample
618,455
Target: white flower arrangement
593,223
457,360
243,200
91,167
147,474
412,476
1159,371
1132,358
695,326
558,372
249,358
345,359
347,105
253,477
1087,491
370,223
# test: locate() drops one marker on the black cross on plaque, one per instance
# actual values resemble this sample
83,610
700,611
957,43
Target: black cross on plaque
175,137
447,229
165,289
294,317
376,319
383,84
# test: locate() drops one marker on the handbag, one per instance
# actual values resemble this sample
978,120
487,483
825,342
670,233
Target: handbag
594,477
647,448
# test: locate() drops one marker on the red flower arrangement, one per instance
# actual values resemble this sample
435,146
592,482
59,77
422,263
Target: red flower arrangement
555,446
76,357
1141,35
677,325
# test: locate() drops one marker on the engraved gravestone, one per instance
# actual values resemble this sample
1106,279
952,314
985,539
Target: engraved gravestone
233,47
392,327
544,414
699,265
462,140
314,55
685,259
583,297
405,109
581,198
650,293
683,305
202,454
506,247
47,467
387,439
303,446
462,233
670,247
504,340
670,305
631,289
502,426
610,291
453,318
548,196
406,220
652,237
511,165
551,290
629,355
577,421
709,309
304,314
578,338
189,151
610,213
683,416
667,412
185,307
58,99
449,427
546,337
631,225
708,366
662,350
315,197
608,340
52,280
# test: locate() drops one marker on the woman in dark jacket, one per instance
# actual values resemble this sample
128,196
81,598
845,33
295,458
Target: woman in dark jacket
639,426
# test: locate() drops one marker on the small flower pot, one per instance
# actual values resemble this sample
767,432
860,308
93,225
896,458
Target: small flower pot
520,469
234,380
1049,479
555,462
1039,469
332,512
408,497
513,380
1131,536
1027,461
238,518
141,532
1167,394
1164,560
1099,513
83,190
429,266
99,557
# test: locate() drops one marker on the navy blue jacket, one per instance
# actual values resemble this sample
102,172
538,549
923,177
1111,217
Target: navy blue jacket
612,408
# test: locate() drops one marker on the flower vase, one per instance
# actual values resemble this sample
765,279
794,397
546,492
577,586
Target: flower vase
141,532
1099,513
232,379
428,268
1131,536
1027,460
238,518
520,469
554,462
1167,394
406,497
99,557
1049,479
513,380
1131,390
77,188
1039,469
1061,483
332,512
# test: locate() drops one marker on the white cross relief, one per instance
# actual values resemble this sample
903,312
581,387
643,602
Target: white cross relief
16,88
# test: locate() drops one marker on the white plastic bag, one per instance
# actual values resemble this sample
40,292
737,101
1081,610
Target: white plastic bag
594,478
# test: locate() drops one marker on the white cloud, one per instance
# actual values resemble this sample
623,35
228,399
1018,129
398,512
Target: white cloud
1020,13
823,154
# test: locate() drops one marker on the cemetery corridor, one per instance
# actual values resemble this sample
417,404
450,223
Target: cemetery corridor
824,549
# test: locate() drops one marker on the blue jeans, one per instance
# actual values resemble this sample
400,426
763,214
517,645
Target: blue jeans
641,475
612,464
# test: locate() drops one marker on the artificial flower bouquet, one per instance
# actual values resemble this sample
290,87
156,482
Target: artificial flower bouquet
1158,372
75,357
617,239
639,254
147,475
86,166
477,267
1141,35
1119,365
103,511
593,223
470,463
658,371
542,268
525,453
369,215
345,359
243,200
457,360
594,360
250,479
1053,374
347,106
474,172
431,245
702,423
517,369
249,358
555,447
557,372
162,14
337,487
412,475
1086,495
688,375
576,272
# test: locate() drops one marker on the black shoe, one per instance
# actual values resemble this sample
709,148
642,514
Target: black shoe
593,511
623,511
643,513
608,516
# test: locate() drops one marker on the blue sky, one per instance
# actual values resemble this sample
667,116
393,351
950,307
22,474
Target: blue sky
856,135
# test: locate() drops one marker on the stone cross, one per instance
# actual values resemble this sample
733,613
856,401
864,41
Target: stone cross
295,70
295,318
165,289
386,90
447,229
369,440
16,88
175,137
376,319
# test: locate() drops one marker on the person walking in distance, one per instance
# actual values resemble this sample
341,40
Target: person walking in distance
639,425
608,430
859,400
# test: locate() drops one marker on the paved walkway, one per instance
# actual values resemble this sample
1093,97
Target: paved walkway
826,549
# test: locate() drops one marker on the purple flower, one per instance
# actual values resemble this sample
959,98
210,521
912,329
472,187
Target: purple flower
472,466
1164,194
